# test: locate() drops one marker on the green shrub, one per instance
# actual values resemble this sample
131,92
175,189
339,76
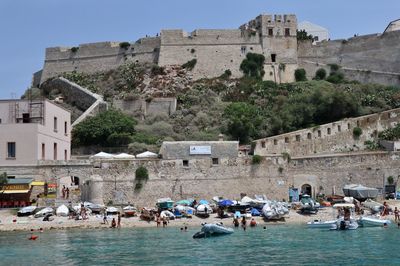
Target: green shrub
357,132
334,67
141,174
74,49
320,74
390,134
192,50
138,186
286,156
3,179
303,35
189,65
124,45
372,145
335,78
226,74
390,180
119,139
253,65
300,74
256,159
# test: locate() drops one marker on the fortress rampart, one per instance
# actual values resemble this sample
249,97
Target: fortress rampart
329,138
369,58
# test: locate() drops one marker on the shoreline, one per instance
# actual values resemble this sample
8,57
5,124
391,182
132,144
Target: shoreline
95,222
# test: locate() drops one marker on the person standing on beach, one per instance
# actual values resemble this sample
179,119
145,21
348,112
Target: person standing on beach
244,223
113,223
158,220
165,222
119,221
63,192
105,217
67,191
396,215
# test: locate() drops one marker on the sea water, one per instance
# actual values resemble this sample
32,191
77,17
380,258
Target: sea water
277,245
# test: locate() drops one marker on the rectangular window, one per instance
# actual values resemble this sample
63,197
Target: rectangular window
65,155
329,131
309,136
286,140
339,128
0,120
287,32
273,58
270,32
55,124
11,150
297,137
319,133
275,142
26,118
185,163
348,126
215,161
263,144
65,128
43,151
55,151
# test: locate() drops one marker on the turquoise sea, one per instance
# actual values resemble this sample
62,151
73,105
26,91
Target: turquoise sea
277,245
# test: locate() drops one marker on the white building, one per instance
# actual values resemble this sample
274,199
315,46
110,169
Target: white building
393,26
319,33
31,131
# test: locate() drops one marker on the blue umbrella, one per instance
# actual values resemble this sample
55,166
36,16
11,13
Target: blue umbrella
225,203
203,202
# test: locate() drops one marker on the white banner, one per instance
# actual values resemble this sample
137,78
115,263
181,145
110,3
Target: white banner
204,150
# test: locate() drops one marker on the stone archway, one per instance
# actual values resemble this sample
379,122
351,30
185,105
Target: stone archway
306,189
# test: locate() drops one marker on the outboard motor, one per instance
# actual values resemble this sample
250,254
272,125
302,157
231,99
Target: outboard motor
342,225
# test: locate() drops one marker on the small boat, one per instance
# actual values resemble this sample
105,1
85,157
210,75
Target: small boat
26,211
129,211
308,205
241,207
274,210
112,210
360,192
62,211
372,205
372,221
95,208
214,229
165,203
203,210
167,214
321,224
43,212
345,222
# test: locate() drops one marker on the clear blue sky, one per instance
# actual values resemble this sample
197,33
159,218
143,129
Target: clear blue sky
27,27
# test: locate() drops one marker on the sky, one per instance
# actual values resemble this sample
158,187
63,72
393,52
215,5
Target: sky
27,27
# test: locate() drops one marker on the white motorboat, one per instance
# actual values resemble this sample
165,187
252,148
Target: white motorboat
44,212
62,211
308,205
130,210
345,222
366,221
273,210
360,191
26,211
373,205
216,228
321,224
203,210
167,214
95,208
112,211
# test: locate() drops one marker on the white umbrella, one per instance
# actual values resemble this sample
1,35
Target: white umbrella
124,156
147,154
102,155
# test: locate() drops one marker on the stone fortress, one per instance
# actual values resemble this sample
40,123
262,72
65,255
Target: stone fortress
323,159
370,58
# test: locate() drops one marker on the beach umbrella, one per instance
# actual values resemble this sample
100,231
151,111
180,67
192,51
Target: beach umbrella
225,203
203,202
184,202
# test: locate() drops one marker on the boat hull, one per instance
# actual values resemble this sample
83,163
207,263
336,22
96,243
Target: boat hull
372,222
321,224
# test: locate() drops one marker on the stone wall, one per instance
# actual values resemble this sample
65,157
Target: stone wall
98,57
368,59
141,106
104,181
329,138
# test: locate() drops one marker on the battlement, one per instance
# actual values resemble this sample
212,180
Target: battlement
273,25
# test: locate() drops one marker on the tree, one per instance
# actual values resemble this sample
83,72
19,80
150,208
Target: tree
253,65
320,74
96,130
3,179
243,121
300,74
303,35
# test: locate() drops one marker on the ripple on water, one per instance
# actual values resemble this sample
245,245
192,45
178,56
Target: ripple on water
278,245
